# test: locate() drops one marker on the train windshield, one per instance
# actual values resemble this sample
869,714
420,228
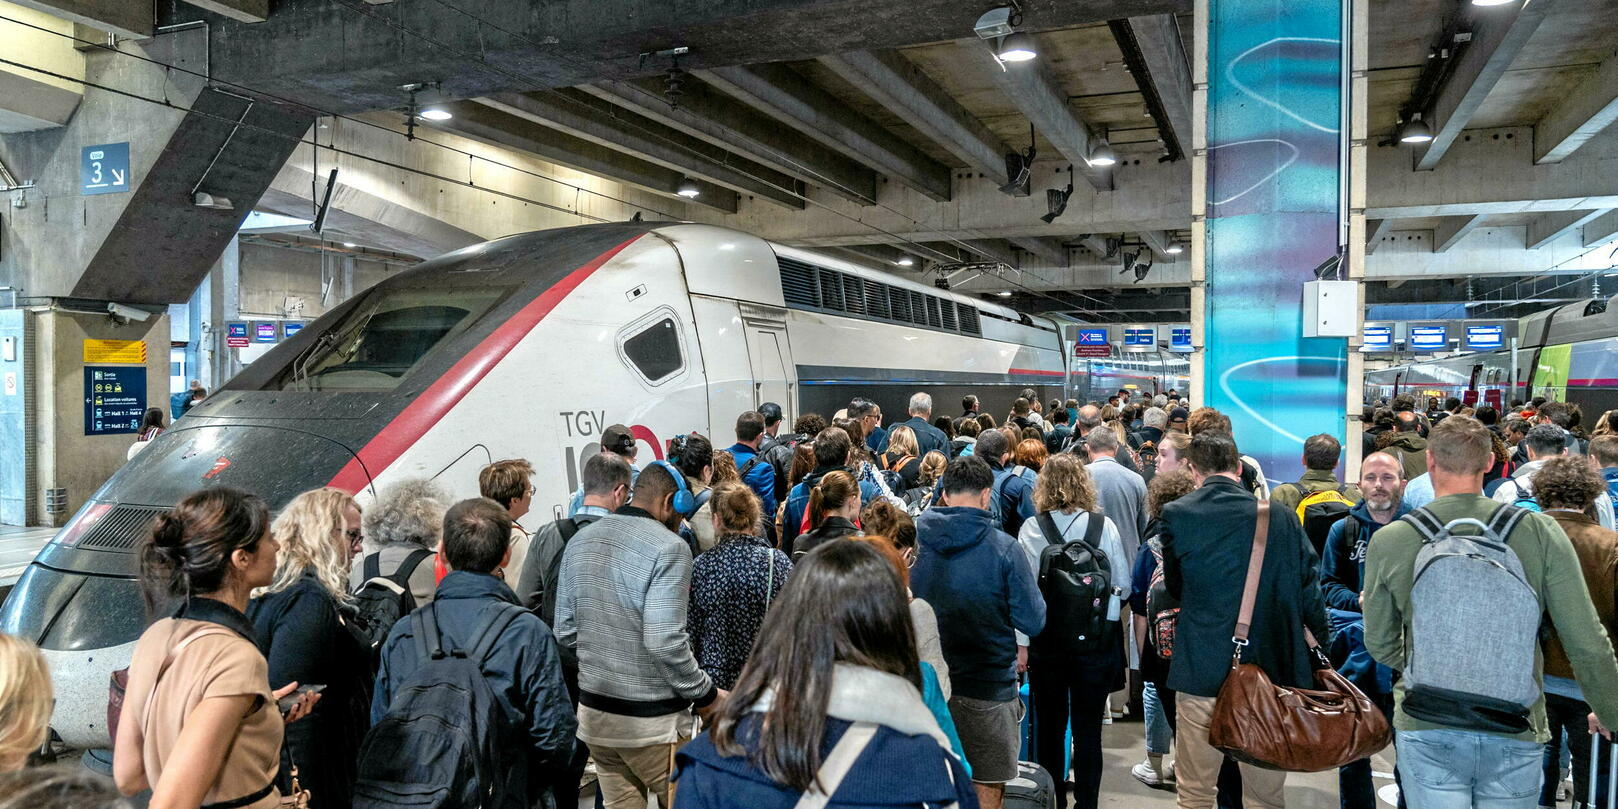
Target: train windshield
383,337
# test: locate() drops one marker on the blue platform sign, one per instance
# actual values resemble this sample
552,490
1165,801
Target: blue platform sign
1092,337
1091,343
1140,338
1180,339
104,169
1377,338
1429,338
1485,338
264,331
290,328
114,399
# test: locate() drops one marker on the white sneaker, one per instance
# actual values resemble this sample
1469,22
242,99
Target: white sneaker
1145,774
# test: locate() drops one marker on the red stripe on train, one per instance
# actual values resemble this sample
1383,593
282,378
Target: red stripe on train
448,390
1035,372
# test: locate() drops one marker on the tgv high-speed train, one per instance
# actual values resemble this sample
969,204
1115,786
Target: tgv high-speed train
526,346
1569,354
1146,373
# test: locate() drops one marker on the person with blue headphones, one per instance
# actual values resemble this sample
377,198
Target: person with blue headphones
622,599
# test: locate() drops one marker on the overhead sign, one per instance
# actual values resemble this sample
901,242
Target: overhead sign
1429,338
1180,339
114,399
1140,338
265,331
1091,343
291,327
1377,337
114,352
1485,338
236,335
104,168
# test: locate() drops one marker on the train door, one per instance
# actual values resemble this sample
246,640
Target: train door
775,377
1470,396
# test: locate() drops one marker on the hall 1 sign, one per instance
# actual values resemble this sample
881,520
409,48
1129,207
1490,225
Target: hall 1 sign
114,399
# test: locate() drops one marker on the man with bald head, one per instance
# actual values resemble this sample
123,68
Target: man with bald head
1342,572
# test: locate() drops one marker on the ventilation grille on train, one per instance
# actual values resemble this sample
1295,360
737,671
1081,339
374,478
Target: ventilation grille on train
806,286
123,528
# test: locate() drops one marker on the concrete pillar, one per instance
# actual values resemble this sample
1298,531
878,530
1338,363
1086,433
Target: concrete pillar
1267,207
223,305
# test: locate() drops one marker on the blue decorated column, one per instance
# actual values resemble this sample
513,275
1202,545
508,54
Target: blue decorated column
1268,176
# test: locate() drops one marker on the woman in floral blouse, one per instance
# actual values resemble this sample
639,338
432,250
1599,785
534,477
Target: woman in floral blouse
732,585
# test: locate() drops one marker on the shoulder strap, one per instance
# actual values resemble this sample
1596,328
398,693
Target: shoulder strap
1047,526
1255,565
1092,529
1505,519
407,568
428,639
373,566
168,660
492,628
836,766
702,499
567,527
1429,526
751,462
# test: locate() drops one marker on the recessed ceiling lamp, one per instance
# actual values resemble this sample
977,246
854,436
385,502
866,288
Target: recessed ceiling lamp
905,261
350,245
1004,293
688,189
436,114
1415,131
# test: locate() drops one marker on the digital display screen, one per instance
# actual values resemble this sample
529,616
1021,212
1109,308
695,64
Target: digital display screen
290,328
1378,338
264,332
1180,338
1429,338
1483,338
1140,336
1092,337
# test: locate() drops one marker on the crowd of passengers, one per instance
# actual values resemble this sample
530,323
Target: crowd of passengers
849,614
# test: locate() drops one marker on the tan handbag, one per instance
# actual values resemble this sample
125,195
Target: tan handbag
1290,729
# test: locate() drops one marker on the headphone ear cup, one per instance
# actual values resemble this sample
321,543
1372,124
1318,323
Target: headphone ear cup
684,502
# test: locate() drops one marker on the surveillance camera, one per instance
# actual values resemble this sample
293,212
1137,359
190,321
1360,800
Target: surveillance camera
128,313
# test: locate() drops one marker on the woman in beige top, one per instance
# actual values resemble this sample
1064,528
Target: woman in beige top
200,726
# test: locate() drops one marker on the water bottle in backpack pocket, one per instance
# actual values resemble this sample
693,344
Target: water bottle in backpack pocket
1471,660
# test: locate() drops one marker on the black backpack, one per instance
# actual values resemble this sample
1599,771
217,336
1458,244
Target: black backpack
441,743
380,601
777,452
1076,581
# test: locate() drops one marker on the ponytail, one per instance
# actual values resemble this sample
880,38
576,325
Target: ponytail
831,492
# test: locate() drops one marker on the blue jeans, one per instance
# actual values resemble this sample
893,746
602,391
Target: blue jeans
1463,769
1159,736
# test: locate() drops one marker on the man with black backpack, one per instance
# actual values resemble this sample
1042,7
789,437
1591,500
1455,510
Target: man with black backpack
1456,594
469,698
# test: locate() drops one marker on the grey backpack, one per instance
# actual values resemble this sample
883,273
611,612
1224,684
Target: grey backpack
1474,626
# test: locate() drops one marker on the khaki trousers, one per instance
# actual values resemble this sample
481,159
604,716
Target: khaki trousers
625,775
1197,763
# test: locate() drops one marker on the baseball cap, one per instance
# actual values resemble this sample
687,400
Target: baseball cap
618,439
1179,414
771,413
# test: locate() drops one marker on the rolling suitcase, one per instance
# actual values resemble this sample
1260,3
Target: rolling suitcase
1595,772
1033,788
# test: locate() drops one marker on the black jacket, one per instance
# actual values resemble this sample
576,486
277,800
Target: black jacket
829,529
304,638
1207,536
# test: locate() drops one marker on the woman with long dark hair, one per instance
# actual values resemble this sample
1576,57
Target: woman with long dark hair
829,701
200,724
151,426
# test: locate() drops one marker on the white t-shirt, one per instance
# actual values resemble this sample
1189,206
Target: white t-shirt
1072,525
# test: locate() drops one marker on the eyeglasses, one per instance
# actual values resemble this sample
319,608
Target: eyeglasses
352,534
531,488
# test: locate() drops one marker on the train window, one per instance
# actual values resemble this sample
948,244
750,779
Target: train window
383,337
653,347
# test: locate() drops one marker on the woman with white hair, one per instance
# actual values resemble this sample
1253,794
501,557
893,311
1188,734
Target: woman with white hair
305,627
25,701
402,531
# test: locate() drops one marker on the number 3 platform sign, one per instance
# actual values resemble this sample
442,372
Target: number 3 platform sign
104,169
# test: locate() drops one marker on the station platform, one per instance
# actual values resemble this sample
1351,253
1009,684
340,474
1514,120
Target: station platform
18,546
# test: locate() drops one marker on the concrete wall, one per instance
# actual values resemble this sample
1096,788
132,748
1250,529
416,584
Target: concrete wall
67,458
31,100
270,276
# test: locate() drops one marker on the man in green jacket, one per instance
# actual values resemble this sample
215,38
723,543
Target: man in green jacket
1320,456
1494,769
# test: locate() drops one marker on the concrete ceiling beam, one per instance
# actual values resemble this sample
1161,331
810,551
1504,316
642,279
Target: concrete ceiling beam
1375,229
1033,89
992,249
491,126
249,11
382,223
1452,229
1095,243
1492,171
1168,74
1159,241
778,91
894,82
709,116
1549,227
1498,36
1049,251
1602,230
125,18
589,118
1589,108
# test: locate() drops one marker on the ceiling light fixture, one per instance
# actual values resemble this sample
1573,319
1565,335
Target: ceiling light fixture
1492,2
1102,154
1415,131
1000,26
905,261
1004,293
436,114
350,245
1174,249
1018,47
688,188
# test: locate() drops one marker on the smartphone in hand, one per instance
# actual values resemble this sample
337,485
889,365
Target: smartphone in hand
287,702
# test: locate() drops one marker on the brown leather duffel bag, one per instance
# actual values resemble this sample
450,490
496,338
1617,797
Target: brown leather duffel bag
1292,729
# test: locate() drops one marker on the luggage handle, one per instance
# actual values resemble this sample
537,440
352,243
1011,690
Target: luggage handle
1612,773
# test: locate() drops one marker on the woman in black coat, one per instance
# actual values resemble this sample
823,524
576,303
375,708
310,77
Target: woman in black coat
304,625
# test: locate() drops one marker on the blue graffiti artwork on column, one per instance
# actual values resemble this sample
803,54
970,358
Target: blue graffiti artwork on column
1274,101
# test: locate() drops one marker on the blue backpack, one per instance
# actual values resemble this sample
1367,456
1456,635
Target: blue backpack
440,744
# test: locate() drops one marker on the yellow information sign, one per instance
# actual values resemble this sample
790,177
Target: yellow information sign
115,352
